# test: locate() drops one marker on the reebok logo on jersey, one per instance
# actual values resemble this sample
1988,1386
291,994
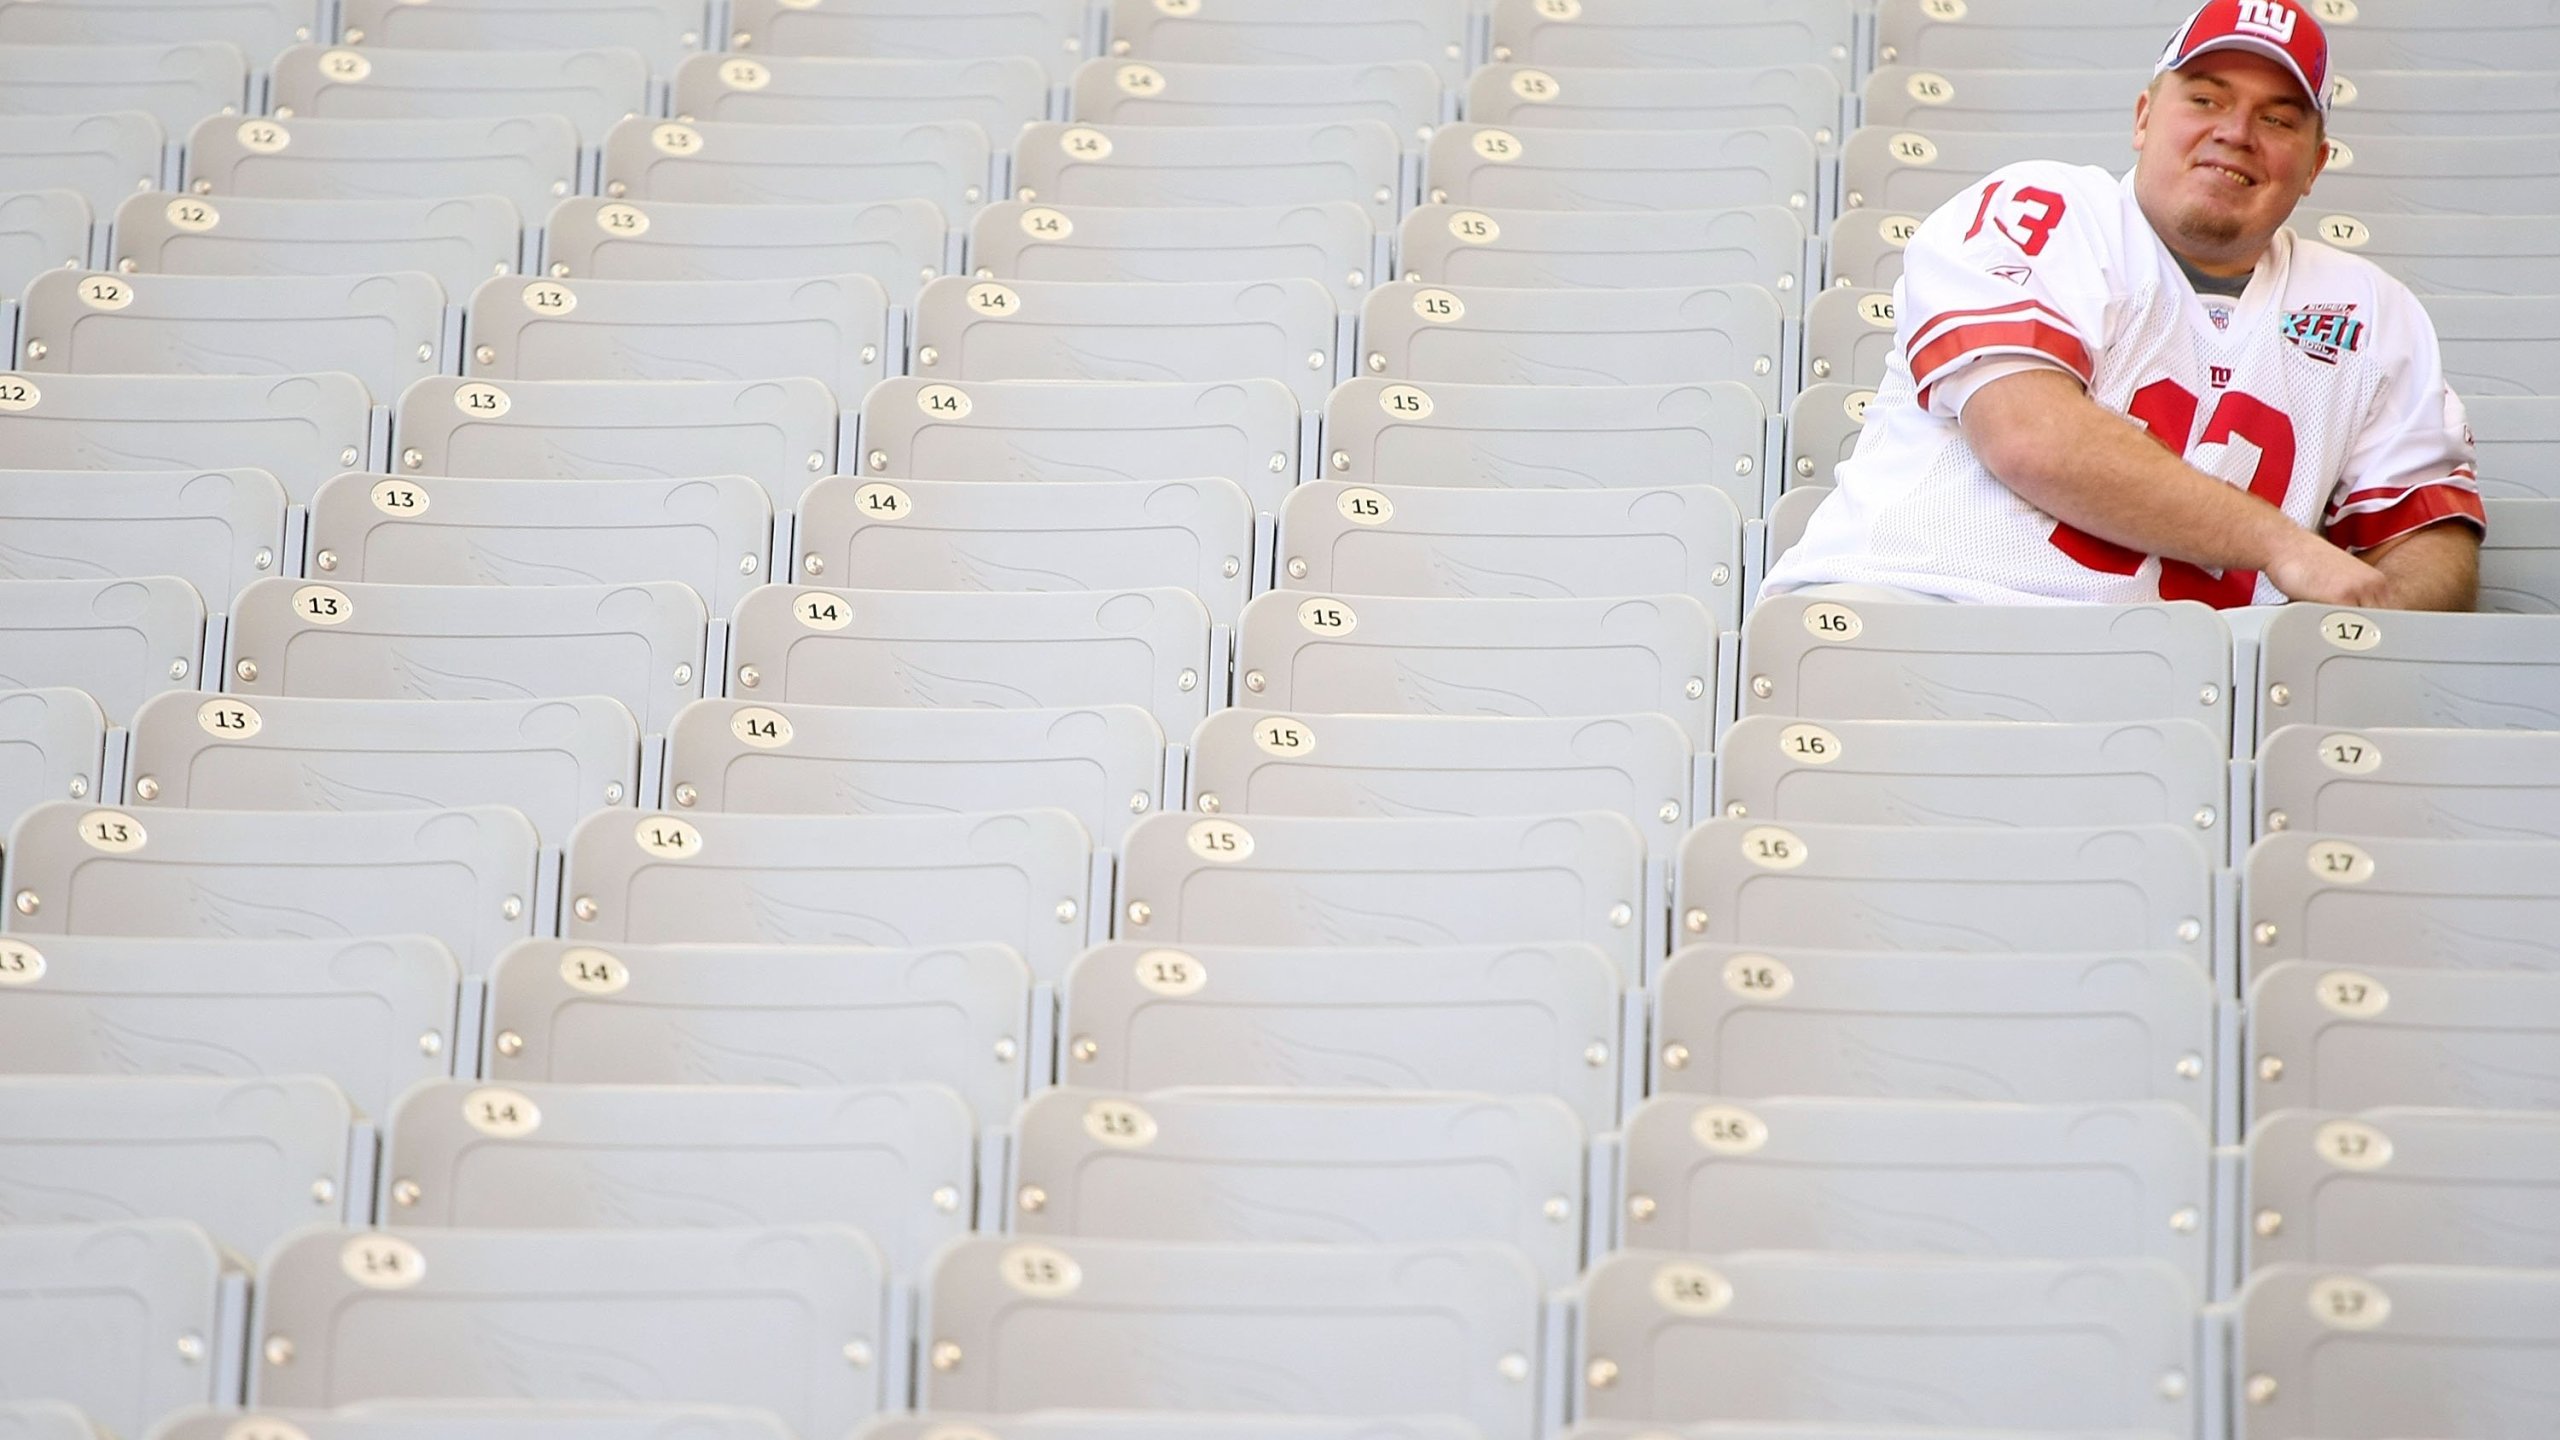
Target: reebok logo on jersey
2325,332
2266,17
2015,274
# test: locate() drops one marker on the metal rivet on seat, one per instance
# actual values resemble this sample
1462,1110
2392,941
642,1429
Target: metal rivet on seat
2271,1068
1675,1057
1033,1199
246,670
1140,912
585,908
510,1043
405,1193
686,795
147,788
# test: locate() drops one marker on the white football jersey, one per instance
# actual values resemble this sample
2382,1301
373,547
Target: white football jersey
2320,389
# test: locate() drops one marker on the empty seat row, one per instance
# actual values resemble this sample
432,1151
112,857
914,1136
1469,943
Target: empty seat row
2117,1345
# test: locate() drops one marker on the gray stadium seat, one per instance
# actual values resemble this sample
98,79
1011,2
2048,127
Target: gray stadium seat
45,1420
215,529
1866,248
2373,900
1430,335
1441,541
1885,167
301,429
1302,1328
1548,436
459,239
593,87
386,330
1055,32
259,27
569,1012
2445,254
2493,35
768,1317
1823,426
1914,662
897,1160
1678,33
725,162
641,644
2395,1350
1298,32
531,160
2401,1186
105,156
1396,656
1194,535
177,82
1406,96
1208,331
963,650
2323,1037
2321,666
1499,1019
782,433
1975,772
1245,430
1979,889
2019,34
2440,175
1017,878
1148,1425
2421,784
1296,1167
249,1160
2512,436
2520,563
1488,167
2042,1345
834,329
2119,1181
1332,244
52,747
122,1320
1849,337
2426,102
1359,161
1789,517
663,31
555,760
1731,96
1299,880
2031,1029
2499,346
710,532
998,94
463,876
122,641
900,243
1760,245
40,230
2008,98
1104,765
490,1420
374,1016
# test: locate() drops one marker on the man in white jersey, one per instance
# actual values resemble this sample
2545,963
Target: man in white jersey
2148,388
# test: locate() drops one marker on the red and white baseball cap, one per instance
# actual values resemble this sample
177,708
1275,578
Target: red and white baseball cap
2282,30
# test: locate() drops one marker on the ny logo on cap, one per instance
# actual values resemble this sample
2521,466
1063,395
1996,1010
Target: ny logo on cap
2268,18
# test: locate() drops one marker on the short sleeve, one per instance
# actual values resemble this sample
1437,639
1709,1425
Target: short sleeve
2014,268
2412,465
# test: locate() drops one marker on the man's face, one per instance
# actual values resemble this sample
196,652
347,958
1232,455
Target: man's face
2229,145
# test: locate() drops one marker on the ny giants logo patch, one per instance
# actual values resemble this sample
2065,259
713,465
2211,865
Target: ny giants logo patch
2325,332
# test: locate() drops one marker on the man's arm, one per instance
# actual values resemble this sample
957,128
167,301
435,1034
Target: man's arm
2041,435
2437,568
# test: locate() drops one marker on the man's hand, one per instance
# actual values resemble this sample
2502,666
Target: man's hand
2312,569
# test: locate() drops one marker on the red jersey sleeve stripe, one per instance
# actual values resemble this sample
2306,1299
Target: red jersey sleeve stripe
2056,344
2020,309
2424,506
